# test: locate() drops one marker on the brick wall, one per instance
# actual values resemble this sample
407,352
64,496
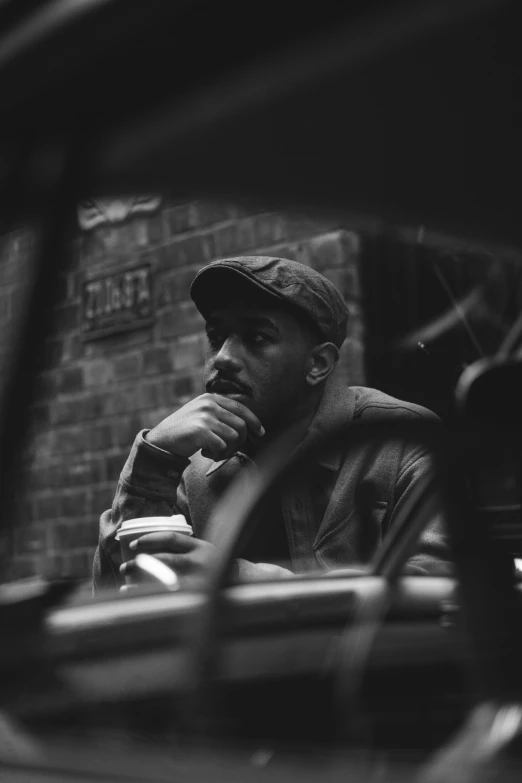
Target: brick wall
94,396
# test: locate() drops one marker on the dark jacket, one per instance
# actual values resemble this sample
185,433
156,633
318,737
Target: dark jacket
155,483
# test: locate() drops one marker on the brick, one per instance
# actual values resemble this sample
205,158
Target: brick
114,466
89,472
66,318
299,226
102,500
98,372
125,430
115,237
53,353
73,348
151,418
175,285
93,406
43,444
46,385
71,564
21,568
73,288
209,213
74,504
156,228
335,249
269,229
157,359
31,539
280,251
65,411
70,440
47,507
71,535
150,395
80,563
188,351
70,380
132,400
24,507
194,250
119,401
184,387
177,391
235,238
100,437
181,319
129,366
51,567
180,218
91,247
45,477
140,231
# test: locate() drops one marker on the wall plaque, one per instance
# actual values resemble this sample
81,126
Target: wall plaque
117,302
96,212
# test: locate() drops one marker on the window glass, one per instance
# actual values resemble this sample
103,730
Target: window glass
128,347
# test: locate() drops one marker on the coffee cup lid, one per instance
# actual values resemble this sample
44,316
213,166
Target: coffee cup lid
175,523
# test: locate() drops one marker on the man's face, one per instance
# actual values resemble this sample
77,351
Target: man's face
258,355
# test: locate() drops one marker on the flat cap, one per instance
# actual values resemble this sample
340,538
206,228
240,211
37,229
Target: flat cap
292,283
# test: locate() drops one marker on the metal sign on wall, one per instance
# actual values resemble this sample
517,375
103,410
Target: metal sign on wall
105,211
117,302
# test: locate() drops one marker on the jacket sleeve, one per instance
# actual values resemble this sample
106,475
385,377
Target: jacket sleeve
431,554
150,484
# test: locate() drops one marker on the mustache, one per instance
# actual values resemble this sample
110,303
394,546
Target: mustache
222,383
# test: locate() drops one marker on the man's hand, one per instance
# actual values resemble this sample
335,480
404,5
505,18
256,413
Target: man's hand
213,423
189,557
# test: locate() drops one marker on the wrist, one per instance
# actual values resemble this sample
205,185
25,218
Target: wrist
155,439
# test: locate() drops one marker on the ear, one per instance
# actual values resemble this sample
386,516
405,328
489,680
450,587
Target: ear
321,361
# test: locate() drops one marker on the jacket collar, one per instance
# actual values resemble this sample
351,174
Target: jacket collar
336,408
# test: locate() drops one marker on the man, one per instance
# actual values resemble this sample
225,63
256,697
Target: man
274,330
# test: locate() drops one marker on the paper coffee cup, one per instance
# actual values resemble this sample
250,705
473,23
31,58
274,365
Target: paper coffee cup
134,528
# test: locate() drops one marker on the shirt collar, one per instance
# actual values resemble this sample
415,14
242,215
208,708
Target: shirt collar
216,465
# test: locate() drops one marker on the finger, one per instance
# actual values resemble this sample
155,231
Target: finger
238,409
178,562
231,436
226,418
221,449
214,446
163,542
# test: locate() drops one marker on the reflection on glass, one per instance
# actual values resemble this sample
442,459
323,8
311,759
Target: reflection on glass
364,328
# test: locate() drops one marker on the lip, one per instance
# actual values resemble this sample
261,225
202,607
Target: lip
229,388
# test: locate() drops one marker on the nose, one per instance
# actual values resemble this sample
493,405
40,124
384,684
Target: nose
229,355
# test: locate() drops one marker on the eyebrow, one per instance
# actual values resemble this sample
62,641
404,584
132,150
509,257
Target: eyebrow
253,320
248,320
